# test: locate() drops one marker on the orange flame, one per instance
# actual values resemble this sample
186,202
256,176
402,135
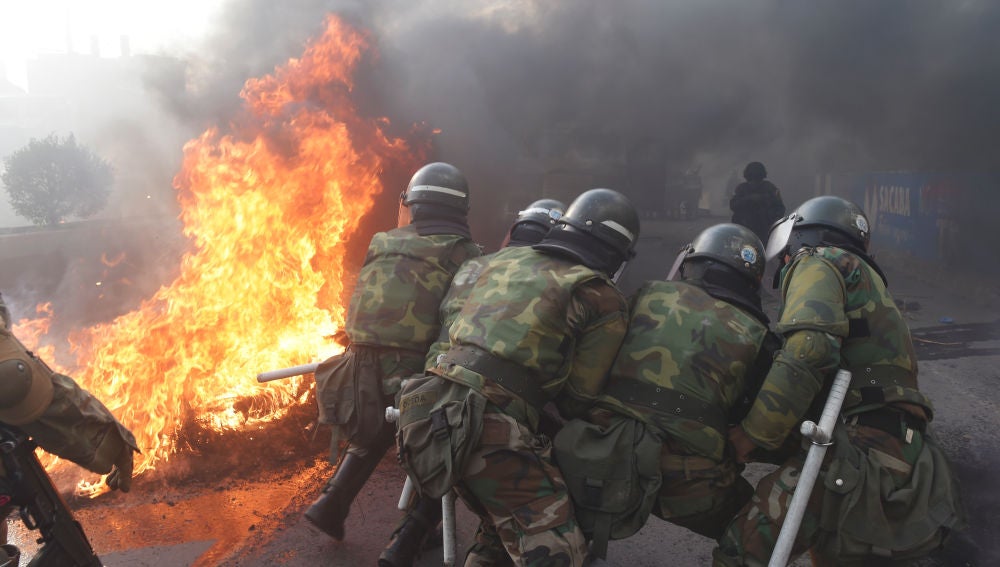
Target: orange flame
30,331
269,212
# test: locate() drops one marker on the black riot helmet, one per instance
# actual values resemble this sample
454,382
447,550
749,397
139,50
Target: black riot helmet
821,221
727,261
733,246
437,187
534,222
754,171
599,230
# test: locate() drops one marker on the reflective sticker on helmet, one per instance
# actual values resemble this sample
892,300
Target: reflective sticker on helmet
619,229
861,222
533,211
437,189
749,254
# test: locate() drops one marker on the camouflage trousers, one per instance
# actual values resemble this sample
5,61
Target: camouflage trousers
512,483
487,549
750,537
700,494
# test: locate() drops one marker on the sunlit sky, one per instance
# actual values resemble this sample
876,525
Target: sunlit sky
30,27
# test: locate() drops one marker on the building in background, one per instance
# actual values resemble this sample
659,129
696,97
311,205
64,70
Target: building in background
112,106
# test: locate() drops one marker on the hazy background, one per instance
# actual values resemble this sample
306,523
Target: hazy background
530,97
803,87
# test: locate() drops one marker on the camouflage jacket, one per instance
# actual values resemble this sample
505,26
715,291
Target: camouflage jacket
465,278
700,354
400,287
837,313
74,425
559,321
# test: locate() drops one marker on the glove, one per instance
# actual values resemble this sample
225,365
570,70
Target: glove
120,477
741,443
114,458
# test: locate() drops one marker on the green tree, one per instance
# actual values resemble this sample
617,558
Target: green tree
51,180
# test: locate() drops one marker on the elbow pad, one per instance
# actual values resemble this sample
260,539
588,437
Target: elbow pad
796,377
818,350
25,383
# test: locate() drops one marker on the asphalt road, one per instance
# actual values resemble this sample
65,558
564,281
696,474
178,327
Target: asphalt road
238,502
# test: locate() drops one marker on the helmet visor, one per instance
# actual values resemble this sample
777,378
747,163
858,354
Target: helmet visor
778,239
676,268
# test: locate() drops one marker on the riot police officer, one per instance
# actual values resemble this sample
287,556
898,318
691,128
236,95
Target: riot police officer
541,324
698,345
756,203
529,227
392,320
886,492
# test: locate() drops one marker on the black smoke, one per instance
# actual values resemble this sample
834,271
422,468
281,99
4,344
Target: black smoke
556,96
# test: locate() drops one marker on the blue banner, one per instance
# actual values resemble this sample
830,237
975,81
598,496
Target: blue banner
936,217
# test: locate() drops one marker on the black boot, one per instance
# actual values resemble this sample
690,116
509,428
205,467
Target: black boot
412,533
330,510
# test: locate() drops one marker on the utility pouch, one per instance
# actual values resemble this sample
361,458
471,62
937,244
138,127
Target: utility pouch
335,389
349,395
865,513
613,476
440,423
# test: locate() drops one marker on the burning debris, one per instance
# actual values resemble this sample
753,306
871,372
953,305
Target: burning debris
269,206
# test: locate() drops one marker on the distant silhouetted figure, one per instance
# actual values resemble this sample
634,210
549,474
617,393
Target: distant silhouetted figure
756,203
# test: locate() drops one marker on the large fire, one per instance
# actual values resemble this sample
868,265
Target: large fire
269,209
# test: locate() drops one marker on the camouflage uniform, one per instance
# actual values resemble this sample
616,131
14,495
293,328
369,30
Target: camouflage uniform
687,364
74,425
885,490
59,416
548,329
392,320
465,278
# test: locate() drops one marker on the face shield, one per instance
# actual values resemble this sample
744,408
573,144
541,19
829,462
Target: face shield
675,270
780,233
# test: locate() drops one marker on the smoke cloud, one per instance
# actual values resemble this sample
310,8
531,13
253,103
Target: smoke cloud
523,90
553,97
